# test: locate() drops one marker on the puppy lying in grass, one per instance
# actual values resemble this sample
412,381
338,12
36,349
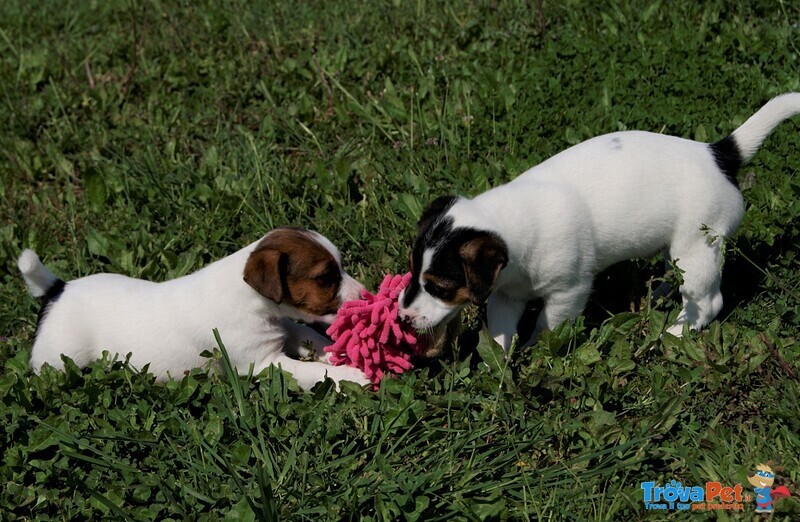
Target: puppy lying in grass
252,296
547,233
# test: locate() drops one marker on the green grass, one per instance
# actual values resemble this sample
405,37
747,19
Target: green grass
149,139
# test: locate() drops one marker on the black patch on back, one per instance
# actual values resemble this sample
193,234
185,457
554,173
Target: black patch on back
728,157
47,300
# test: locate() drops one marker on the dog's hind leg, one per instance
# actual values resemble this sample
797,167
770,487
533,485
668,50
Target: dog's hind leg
701,263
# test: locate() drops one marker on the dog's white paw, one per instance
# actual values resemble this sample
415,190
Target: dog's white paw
676,330
348,373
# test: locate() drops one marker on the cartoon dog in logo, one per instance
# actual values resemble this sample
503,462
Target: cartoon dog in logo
762,482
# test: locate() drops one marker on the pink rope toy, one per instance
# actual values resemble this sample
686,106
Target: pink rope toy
368,336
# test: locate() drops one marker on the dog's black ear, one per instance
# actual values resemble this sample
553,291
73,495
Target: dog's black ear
433,211
483,258
266,271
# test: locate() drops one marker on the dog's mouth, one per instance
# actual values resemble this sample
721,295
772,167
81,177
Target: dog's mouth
432,341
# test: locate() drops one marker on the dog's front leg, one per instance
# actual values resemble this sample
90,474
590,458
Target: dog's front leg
502,315
300,336
309,373
560,306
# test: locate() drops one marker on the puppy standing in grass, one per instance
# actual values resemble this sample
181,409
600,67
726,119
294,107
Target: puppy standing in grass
251,296
547,233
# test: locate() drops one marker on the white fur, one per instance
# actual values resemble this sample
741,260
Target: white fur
37,277
167,325
755,130
614,197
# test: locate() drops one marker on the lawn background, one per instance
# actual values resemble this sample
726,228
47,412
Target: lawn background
149,138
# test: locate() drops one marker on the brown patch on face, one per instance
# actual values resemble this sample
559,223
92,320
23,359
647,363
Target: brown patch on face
289,266
445,289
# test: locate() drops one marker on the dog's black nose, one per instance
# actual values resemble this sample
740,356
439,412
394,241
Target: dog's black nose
404,318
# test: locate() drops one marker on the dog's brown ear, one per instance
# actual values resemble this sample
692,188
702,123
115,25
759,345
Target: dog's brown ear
266,271
483,258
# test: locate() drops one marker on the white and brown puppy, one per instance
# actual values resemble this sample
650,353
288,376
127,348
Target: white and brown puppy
547,233
251,296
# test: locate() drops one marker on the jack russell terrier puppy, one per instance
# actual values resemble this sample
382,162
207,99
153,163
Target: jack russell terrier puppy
547,233
251,296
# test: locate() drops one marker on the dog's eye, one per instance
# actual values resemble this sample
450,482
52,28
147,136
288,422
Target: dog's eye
329,278
437,289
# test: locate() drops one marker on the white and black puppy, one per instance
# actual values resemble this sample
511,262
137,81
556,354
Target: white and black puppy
547,233
251,296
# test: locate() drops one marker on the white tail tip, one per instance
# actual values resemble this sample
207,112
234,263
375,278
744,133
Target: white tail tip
38,278
752,133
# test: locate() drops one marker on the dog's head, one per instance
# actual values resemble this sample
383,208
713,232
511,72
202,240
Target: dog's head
301,271
452,266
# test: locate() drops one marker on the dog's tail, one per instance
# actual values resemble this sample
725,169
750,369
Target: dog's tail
742,144
755,130
39,279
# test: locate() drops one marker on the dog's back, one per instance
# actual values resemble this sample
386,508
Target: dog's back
654,188
152,321
60,326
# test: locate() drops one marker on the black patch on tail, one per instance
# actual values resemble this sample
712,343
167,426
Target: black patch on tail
52,295
728,157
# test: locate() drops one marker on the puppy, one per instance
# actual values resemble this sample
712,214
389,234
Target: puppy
547,233
251,296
